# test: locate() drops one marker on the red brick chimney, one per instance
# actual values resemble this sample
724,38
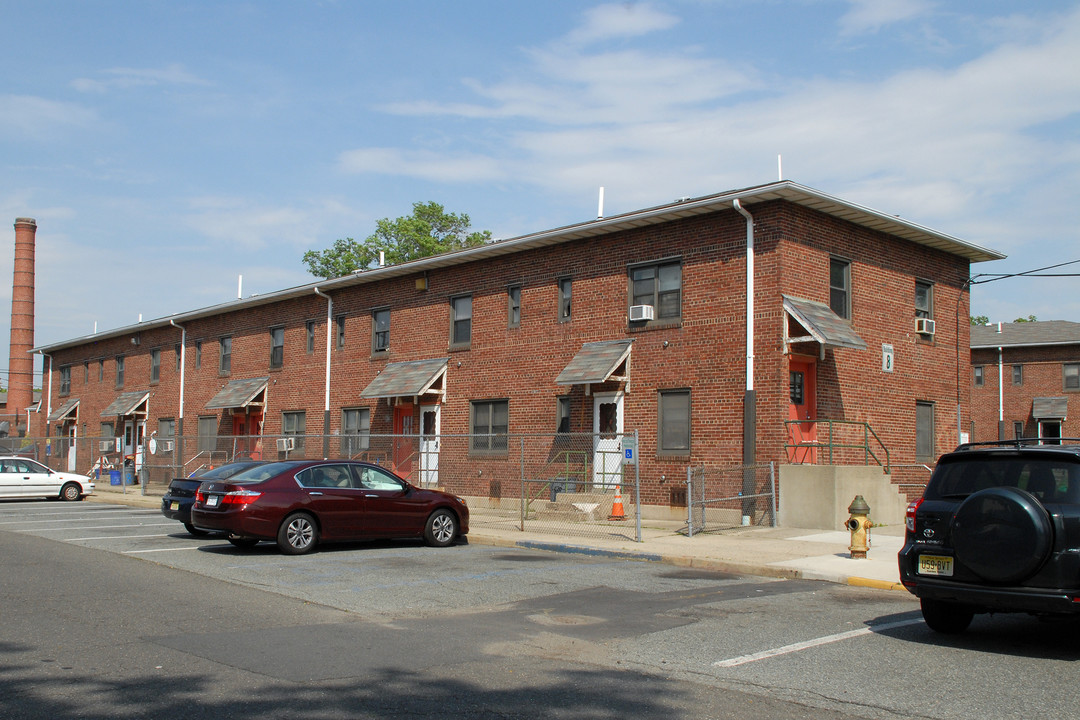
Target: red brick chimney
21,363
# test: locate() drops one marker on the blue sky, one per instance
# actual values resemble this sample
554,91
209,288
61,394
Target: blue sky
168,147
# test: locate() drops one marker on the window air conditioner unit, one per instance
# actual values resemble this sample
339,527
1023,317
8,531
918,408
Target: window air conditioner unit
166,445
924,326
641,312
106,446
286,444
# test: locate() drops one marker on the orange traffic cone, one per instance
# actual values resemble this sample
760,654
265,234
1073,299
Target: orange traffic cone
616,507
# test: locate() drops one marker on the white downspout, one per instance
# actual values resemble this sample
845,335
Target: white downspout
1001,395
48,396
329,336
183,367
749,293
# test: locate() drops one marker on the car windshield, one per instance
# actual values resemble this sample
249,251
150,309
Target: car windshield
1051,479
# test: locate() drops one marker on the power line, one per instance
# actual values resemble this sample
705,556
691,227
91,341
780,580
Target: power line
1027,273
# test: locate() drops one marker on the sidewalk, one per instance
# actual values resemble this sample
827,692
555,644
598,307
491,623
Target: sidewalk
769,552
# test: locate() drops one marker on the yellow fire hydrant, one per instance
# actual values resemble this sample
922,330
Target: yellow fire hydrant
859,524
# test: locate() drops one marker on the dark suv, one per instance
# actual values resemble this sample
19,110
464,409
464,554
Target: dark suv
996,530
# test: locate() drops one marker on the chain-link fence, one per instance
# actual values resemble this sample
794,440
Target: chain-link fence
725,498
572,484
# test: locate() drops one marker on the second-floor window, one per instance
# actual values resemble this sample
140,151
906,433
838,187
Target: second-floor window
277,347
461,320
658,285
1071,372
840,287
65,380
309,329
119,371
978,375
339,332
565,286
155,365
225,355
1018,374
513,310
380,330
924,299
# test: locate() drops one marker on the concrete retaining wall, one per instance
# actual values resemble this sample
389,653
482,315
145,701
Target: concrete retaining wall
817,496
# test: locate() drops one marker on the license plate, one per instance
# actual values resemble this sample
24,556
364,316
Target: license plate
213,501
174,506
935,565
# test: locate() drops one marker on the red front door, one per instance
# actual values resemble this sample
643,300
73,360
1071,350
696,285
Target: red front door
404,440
802,376
247,436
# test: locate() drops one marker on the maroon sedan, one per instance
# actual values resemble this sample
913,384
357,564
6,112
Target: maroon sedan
297,503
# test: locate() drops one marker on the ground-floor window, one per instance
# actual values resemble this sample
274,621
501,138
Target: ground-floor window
355,431
294,425
1050,432
924,431
489,422
673,430
208,433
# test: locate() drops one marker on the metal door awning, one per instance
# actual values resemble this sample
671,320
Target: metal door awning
598,362
1050,408
415,378
128,403
239,394
821,324
65,411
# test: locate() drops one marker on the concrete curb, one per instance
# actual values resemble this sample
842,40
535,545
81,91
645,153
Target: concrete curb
876,584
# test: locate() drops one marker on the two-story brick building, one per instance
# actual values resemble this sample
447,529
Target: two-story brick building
1025,380
708,325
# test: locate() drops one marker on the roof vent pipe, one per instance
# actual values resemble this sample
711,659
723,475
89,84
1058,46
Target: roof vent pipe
240,287
999,327
600,205
382,258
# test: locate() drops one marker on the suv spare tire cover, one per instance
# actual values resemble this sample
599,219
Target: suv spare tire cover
1002,534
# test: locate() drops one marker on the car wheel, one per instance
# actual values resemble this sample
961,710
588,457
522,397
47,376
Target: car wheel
71,491
243,542
192,530
298,534
946,617
441,528
1002,534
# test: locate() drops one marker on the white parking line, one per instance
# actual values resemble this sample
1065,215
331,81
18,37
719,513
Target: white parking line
105,527
113,537
795,647
79,518
136,552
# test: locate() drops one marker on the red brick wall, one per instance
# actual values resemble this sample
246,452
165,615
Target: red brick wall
705,352
1043,376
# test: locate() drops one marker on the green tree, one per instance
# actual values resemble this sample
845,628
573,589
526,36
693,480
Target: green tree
1029,318
430,230
980,320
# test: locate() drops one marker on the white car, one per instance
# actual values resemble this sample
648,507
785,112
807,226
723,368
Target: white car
24,478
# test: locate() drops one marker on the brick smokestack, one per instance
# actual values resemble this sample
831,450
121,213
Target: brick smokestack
21,363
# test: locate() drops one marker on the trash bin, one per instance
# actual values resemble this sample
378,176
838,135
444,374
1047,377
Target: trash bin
114,477
129,477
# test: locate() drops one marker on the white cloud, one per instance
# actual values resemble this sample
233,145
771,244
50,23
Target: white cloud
620,20
869,16
174,74
425,164
37,118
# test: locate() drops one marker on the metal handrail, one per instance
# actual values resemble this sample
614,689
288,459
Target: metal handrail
832,444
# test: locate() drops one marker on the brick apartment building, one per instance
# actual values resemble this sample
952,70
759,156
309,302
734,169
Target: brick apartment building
1025,380
632,322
